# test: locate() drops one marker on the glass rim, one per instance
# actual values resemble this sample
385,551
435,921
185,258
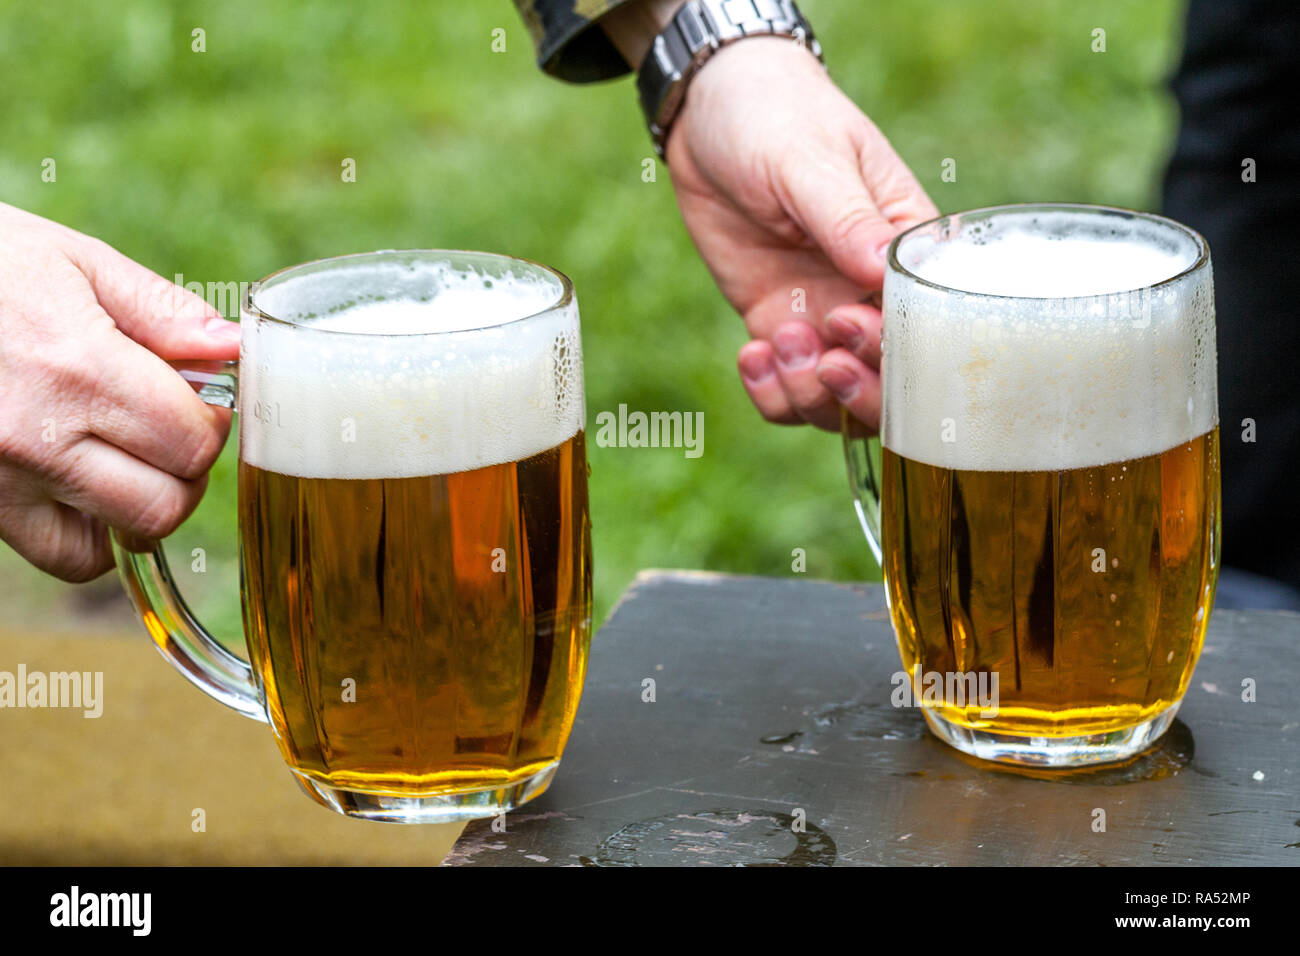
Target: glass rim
1202,247
252,309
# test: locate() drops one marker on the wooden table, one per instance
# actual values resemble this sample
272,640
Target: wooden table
771,701
772,698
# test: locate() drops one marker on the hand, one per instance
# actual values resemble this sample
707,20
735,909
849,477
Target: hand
784,184
96,430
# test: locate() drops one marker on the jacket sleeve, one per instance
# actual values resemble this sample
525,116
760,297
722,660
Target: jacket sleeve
568,43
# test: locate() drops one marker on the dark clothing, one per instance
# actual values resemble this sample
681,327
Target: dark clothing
1236,86
566,44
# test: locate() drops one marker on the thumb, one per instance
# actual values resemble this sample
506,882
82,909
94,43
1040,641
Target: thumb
168,320
853,204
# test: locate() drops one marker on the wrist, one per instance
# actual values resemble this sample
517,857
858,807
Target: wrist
741,85
633,26
696,32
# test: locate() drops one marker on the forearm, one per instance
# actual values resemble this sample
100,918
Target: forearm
632,27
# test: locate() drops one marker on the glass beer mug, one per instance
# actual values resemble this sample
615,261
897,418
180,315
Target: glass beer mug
414,540
1043,497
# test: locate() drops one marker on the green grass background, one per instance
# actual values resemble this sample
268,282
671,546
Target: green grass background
225,166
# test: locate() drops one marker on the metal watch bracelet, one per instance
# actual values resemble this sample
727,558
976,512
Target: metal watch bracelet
697,31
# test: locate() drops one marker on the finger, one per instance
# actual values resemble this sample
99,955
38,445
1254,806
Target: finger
895,189
59,540
797,351
856,327
142,405
855,386
124,492
758,375
831,202
803,273
166,319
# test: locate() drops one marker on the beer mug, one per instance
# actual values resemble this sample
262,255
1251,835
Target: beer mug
414,539
1043,497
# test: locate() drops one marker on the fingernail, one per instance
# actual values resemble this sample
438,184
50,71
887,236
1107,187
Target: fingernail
792,348
848,333
756,366
840,381
883,251
221,329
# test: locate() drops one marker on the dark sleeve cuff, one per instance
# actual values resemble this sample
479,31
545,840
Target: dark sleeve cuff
569,44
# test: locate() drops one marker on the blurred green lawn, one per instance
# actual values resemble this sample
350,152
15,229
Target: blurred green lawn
225,165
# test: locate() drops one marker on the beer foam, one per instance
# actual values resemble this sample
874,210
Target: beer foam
1021,263
1056,353
395,371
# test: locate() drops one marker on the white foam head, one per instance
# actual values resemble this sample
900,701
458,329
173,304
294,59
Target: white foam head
1047,347
401,365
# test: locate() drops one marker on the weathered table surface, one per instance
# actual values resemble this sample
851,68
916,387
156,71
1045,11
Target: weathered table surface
771,702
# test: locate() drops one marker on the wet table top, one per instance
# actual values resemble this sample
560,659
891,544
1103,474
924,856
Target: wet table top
771,705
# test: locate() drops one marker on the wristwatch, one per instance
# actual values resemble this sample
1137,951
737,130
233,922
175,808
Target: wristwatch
698,30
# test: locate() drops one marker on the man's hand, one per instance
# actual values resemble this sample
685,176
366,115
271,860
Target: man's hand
96,430
784,184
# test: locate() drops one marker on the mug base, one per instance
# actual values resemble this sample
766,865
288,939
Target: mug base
1063,752
443,807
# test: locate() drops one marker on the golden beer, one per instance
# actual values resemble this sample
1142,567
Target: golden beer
414,535
1044,495
415,546
420,635
1087,591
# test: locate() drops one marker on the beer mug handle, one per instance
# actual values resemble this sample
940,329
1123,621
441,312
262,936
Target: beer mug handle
862,455
176,632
